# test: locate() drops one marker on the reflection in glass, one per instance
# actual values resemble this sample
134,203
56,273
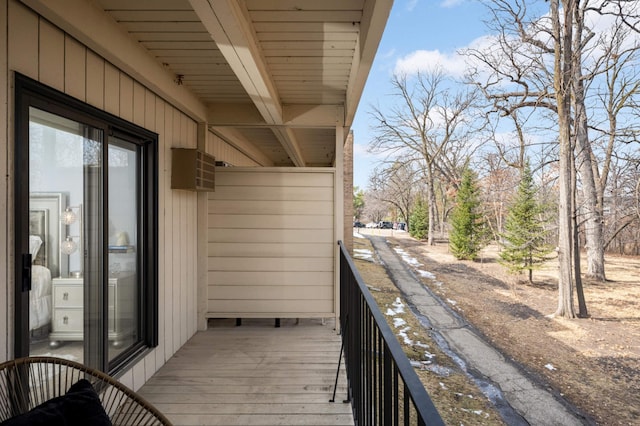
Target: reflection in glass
123,287
56,182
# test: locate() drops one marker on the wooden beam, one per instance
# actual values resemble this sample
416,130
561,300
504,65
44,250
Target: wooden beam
234,114
288,141
231,28
328,116
246,115
239,142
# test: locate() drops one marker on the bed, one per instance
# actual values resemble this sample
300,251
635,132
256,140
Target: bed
40,295
44,246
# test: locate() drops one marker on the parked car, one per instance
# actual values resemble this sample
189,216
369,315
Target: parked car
385,225
357,224
371,225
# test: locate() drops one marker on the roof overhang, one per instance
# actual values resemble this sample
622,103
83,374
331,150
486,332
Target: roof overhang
273,77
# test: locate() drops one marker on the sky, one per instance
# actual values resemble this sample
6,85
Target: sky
418,33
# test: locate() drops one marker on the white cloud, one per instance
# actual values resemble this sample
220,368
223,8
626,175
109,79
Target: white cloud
451,3
388,54
362,151
411,4
430,60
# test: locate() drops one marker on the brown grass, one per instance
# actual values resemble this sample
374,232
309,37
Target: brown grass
455,396
593,363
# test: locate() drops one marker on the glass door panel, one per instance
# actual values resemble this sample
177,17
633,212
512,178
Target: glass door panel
123,289
63,278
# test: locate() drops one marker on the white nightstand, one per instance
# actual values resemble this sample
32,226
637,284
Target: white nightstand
67,323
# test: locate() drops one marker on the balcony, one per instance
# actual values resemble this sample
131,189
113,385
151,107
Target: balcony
258,374
254,374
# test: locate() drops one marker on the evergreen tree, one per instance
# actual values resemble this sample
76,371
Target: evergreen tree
358,202
523,242
419,220
468,229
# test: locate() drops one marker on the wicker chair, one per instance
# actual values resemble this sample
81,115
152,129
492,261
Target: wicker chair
28,382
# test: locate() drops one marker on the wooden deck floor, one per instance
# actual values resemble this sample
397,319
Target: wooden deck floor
254,374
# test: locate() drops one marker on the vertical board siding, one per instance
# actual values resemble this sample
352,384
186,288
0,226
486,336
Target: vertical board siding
162,281
111,89
222,151
270,243
75,67
45,53
95,81
51,55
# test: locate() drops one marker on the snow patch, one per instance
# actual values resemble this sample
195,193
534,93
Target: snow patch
363,254
413,262
403,333
398,308
478,412
398,305
426,274
399,322
406,258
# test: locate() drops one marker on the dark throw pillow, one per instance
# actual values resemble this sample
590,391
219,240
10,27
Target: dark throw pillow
79,406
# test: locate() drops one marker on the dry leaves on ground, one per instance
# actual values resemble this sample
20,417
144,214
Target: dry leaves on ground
593,363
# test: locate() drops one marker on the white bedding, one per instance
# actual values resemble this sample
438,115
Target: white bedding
39,297
40,294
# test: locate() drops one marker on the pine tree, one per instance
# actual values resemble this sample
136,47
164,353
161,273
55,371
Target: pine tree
419,221
523,242
468,231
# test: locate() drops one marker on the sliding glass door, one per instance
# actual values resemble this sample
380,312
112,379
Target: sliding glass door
86,287
65,209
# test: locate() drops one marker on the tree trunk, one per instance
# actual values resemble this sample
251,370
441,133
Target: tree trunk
590,212
562,87
431,205
582,304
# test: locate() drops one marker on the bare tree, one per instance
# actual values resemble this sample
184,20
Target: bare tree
617,98
531,65
498,184
431,125
375,209
397,185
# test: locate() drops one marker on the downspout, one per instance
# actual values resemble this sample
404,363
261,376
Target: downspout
202,279
338,218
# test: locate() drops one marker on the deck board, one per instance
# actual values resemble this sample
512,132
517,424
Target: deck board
254,374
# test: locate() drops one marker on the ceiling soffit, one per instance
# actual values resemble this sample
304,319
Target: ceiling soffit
277,74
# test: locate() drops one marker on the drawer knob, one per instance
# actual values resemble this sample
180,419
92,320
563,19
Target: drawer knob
65,296
65,320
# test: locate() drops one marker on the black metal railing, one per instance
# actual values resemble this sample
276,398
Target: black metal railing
383,387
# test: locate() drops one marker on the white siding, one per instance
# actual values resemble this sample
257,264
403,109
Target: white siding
40,50
60,62
271,243
43,52
222,151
